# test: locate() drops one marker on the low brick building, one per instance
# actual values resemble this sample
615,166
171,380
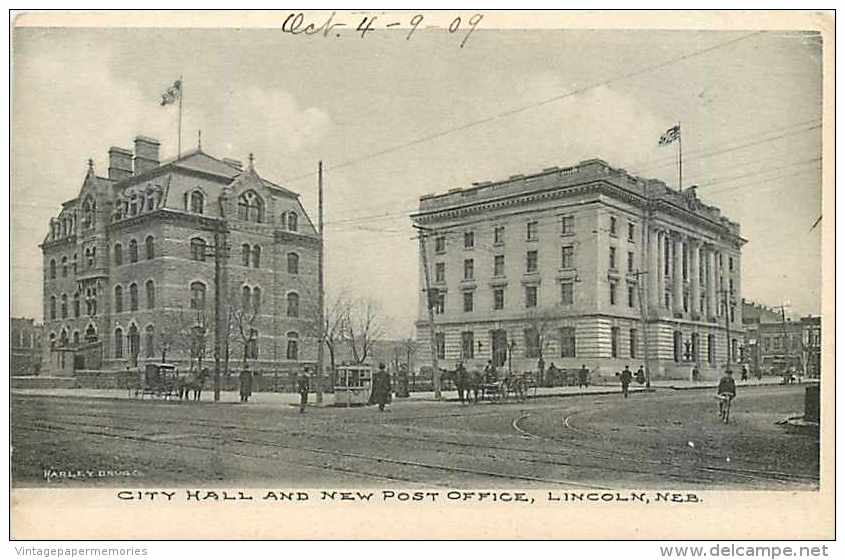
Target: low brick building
131,266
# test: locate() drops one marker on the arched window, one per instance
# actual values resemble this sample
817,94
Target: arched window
52,307
246,297
52,340
245,251
64,267
293,221
198,249
76,304
197,295
293,346
150,245
151,294
118,254
52,269
118,342
76,338
197,202
90,334
256,299
89,209
293,304
134,342
133,251
118,299
293,263
63,339
64,306
251,207
149,343
256,256
133,297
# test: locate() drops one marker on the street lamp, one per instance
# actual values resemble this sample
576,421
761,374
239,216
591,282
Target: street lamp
511,346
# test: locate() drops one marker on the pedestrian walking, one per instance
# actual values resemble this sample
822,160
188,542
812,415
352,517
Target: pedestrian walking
744,375
381,388
245,379
303,386
641,375
694,373
582,376
625,379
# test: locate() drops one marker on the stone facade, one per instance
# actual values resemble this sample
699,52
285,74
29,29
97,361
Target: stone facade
557,263
24,347
131,266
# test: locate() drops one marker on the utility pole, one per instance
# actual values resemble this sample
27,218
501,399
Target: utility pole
429,300
727,324
220,310
643,324
321,296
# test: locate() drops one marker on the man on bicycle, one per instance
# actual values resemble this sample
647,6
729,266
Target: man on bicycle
726,389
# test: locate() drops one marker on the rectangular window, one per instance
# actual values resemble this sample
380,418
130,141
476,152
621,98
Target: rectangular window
632,342
567,342
632,296
731,285
613,293
567,225
612,255
439,303
499,265
498,298
733,313
677,346
531,231
468,301
566,293
731,264
440,272
499,235
630,261
440,345
531,261
467,345
667,300
711,348
614,342
666,259
685,261
631,231
440,244
530,296
469,239
567,256
469,269
613,226
686,303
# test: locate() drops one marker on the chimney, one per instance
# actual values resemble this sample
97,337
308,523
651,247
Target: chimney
146,154
237,164
120,163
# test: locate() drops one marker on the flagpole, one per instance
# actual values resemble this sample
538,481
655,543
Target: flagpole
680,158
181,94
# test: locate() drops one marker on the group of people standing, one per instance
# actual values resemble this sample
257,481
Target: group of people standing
626,377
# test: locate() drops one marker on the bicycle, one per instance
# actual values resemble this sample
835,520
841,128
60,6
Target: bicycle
725,406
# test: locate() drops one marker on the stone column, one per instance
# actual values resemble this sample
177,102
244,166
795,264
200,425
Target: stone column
711,282
677,275
694,293
661,280
653,269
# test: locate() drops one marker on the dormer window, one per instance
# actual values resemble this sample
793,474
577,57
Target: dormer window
197,201
251,207
293,221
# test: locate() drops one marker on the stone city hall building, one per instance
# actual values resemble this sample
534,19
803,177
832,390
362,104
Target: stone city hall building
130,266
556,264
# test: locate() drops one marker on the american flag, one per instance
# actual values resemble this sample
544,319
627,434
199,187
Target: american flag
172,94
670,136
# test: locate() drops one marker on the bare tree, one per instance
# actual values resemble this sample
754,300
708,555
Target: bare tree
363,329
541,325
188,335
241,323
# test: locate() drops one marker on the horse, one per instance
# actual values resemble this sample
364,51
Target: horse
515,384
193,382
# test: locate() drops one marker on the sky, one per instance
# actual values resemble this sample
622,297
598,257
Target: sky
750,113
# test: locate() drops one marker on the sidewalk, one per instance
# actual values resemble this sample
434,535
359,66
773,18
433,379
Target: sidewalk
292,399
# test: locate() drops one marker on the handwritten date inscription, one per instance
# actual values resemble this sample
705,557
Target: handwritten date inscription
296,24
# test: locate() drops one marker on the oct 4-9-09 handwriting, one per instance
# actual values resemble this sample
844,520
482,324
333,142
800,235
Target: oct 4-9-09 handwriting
296,24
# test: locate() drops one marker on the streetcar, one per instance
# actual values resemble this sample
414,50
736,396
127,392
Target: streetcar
353,385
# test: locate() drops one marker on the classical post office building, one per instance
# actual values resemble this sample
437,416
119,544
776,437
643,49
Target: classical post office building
580,265
132,265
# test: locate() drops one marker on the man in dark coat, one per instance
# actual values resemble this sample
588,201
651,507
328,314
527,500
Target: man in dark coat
490,375
625,379
245,379
381,388
641,375
582,376
303,385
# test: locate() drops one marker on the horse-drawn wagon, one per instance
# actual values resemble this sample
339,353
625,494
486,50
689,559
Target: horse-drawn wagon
158,380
